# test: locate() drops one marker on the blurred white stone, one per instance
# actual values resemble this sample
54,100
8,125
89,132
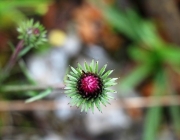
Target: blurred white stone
48,68
166,134
64,112
53,136
72,45
112,117
98,53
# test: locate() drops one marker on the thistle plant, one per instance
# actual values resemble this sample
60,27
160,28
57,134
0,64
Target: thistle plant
32,33
88,87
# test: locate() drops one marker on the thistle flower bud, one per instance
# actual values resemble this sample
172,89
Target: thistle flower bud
32,33
88,87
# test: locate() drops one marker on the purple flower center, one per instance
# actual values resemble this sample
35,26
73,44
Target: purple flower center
89,85
36,31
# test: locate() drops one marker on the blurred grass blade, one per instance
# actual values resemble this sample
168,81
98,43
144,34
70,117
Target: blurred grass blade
135,77
120,21
152,122
175,114
171,54
149,35
25,50
39,96
139,54
154,115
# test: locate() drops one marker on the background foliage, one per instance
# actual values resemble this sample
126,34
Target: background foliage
140,46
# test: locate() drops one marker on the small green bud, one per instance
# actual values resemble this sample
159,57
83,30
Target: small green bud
32,33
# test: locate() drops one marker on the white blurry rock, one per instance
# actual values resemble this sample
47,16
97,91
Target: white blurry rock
64,112
99,54
166,134
72,45
48,68
53,136
112,117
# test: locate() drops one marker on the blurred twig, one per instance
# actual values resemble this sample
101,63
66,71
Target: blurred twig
131,102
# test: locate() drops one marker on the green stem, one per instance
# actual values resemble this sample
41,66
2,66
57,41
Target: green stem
12,61
18,88
14,56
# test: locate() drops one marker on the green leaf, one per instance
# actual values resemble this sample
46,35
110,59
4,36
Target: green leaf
170,54
154,114
152,122
135,77
138,54
120,21
25,50
150,36
39,96
31,93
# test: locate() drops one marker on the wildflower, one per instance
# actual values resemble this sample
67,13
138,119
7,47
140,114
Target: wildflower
32,33
88,87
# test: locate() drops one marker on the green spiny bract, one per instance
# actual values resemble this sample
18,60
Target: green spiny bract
89,87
